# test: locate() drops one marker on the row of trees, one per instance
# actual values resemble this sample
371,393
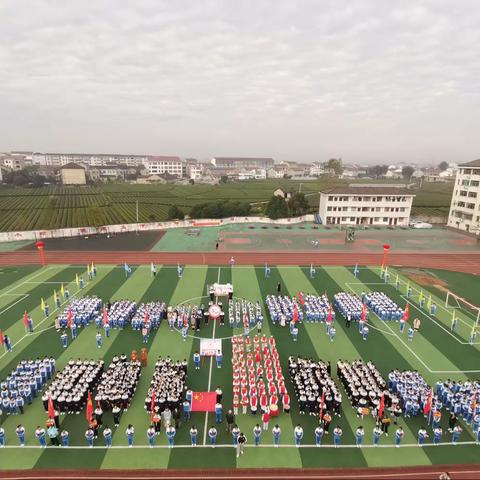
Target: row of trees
278,207
28,176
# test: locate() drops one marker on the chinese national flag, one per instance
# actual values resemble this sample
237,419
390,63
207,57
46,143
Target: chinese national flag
406,313
428,405
381,407
300,298
295,314
364,312
69,318
322,404
145,320
2,339
89,408
204,401
329,316
25,319
105,316
51,408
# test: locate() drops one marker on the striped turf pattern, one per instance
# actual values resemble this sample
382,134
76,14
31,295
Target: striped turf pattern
433,350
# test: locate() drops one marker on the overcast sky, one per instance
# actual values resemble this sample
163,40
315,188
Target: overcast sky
366,80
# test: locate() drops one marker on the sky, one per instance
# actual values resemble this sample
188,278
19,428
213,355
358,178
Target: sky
370,81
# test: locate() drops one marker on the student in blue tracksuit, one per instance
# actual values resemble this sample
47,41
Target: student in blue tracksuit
218,412
298,435
64,339
196,360
377,431
359,434
410,333
65,438
276,432
457,430
193,435
89,436
2,437
212,435
437,435
219,358
107,435
422,436
319,435
98,337
257,433
41,437
20,431
130,433
399,433
151,436
337,436
171,432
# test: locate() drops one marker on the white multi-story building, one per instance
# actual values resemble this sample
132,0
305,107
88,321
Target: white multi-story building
465,206
93,160
157,164
193,169
380,206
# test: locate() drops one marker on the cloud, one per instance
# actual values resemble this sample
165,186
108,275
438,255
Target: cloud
304,80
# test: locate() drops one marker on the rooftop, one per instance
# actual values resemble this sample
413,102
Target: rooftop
346,190
72,166
474,163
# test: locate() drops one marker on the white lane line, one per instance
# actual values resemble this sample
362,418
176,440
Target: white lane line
24,296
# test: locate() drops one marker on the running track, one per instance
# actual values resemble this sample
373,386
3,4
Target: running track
462,262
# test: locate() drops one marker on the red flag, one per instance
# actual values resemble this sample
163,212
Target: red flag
406,313
428,405
295,314
51,408
321,405
145,320
381,407
69,318
364,312
330,316
2,339
204,401
152,405
105,315
89,408
25,319
300,298
474,404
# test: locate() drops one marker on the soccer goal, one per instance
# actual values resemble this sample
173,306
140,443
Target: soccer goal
470,312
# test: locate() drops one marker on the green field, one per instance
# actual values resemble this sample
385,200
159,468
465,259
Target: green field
115,203
435,352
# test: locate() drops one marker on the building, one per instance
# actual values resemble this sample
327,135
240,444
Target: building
90,159
14,161
282,193
316,169
240,163
73,174
158,164
193,169
378,206
465,206
254,174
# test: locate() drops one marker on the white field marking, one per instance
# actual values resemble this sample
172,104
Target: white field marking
253,447
210,371
23,297
46,283
46,318
42,270
415,354
439,325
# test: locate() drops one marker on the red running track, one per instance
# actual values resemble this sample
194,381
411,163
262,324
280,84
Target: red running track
462,262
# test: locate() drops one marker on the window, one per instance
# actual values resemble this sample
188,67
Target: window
463,193
385,219
472,194
329,209
471,206
474,183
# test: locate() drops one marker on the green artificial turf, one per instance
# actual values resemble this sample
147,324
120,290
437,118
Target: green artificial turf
435,352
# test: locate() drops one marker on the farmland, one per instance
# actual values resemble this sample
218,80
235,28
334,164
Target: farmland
64,207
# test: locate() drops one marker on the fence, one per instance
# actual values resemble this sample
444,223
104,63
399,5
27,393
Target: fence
144,227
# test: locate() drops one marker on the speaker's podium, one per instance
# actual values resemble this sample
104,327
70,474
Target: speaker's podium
219,290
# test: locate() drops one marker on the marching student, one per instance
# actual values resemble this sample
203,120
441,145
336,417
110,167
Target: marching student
457,430
257,432
116,415
266,419
359,434
196,360
186,411
212,434
410,333
337,436
230,420
107,435
2,437
218,412
422,435
365,331
40,434
193,435
235,435
377,431
65,438
298,435
98,337
171,432
399,433
242,440
89,436
20,431
276,431
151,436
319,435
64,339
332,333
437,435
219,358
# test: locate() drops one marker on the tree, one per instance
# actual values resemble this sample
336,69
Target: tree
276,208
223,179
443,166
298,204
336,165
175,213
407,172
377,171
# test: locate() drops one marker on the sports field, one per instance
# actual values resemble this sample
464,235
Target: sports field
435,352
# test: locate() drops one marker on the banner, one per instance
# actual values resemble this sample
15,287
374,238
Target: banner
210,346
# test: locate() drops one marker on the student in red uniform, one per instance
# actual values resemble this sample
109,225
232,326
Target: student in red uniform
265,419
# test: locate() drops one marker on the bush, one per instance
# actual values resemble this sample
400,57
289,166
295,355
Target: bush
175,213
